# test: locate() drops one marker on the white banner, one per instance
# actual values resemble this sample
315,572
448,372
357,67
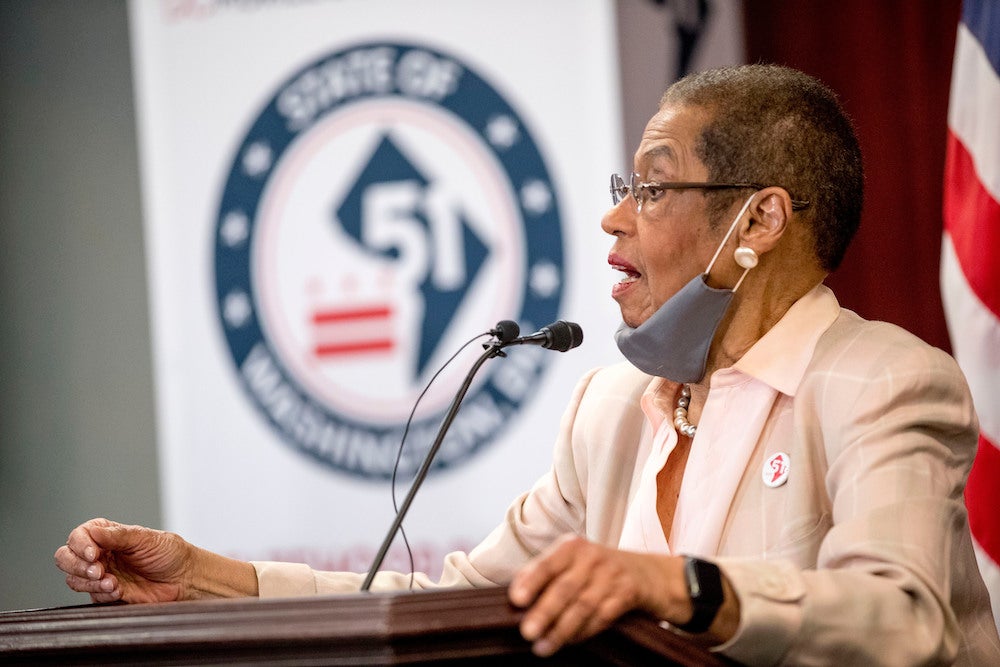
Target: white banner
337,196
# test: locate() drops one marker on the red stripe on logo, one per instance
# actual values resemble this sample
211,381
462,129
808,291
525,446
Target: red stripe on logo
373,313
333,349
972,219
982,497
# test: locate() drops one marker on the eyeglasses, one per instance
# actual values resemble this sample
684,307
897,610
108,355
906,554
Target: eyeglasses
641,191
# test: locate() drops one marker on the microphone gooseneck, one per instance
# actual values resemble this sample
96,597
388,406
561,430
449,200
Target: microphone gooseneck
561,336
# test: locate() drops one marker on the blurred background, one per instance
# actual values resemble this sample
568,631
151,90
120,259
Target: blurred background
77,419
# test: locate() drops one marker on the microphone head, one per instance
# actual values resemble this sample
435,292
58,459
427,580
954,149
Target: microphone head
563,336
506,331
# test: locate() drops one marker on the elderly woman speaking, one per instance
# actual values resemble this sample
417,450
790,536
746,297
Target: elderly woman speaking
770,474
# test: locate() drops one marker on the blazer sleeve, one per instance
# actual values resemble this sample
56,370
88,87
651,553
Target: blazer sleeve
555,505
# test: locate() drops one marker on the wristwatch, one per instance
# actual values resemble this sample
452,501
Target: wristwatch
704,585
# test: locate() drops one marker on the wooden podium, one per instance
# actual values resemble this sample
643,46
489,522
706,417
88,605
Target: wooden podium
441,627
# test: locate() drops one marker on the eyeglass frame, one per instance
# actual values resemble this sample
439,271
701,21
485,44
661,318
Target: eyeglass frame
619,190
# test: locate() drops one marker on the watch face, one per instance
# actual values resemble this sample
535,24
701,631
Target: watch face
704,582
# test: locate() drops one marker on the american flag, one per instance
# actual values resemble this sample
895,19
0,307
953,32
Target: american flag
970,260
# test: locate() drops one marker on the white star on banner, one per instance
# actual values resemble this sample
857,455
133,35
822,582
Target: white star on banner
536,197
235,228
502,131
544,279
257,158
236,309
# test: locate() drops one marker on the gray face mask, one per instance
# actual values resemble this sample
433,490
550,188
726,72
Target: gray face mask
673,343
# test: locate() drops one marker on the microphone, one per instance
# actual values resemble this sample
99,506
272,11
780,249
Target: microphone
505,331
559,336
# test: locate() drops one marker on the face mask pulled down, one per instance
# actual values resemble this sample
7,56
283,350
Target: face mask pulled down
673,343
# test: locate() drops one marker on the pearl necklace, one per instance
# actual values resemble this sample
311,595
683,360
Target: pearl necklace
681,413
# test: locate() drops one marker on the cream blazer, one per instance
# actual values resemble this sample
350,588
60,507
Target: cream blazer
863,557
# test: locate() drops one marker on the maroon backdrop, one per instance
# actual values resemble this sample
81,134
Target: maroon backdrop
890,62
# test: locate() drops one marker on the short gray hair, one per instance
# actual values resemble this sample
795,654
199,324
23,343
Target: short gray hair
778,126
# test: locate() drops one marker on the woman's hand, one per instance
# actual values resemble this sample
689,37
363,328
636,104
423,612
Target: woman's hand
112,561
576,589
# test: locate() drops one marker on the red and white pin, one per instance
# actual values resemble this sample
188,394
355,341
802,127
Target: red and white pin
775,472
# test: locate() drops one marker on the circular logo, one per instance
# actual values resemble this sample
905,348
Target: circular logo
385,207
775,470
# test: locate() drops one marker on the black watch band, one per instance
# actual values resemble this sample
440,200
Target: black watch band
704,585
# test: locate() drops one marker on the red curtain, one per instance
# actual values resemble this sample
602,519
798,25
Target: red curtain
890,63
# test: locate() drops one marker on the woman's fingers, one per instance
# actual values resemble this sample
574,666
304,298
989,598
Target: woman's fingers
107,587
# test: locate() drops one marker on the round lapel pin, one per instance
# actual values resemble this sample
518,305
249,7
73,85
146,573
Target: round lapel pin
775,472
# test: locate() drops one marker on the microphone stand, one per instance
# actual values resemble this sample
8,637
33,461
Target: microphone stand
493,349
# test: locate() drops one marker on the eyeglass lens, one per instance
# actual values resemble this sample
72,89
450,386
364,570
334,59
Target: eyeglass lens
619,190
